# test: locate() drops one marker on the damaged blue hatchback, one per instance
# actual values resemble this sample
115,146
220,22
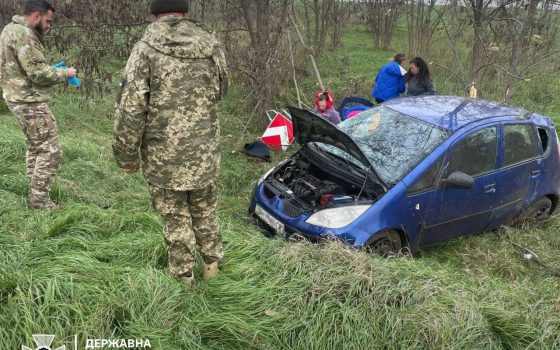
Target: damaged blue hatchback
411,173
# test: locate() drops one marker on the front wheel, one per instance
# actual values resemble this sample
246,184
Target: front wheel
385,243
537,213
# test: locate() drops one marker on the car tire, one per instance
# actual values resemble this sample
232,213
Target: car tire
536,213
385,244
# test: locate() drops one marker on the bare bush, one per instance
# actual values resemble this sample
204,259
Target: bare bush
96,36
257,49
498,44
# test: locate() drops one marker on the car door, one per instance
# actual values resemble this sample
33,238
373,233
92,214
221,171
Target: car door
521,169
418,197
453,212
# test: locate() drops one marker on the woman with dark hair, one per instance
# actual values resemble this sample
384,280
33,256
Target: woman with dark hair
389,82
419,79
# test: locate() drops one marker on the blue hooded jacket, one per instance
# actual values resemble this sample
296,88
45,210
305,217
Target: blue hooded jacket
389,82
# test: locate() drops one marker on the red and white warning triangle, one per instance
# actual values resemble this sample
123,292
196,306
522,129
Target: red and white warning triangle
280,132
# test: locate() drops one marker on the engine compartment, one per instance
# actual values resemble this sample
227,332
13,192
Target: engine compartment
317,188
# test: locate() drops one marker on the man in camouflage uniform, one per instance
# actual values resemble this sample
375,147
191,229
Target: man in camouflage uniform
167,121
27,79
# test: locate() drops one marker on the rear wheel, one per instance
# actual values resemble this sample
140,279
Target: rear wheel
385,243
536,213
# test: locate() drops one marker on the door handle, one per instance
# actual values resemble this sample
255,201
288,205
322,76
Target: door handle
490,188
535,173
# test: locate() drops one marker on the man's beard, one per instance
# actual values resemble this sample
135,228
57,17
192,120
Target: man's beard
39,29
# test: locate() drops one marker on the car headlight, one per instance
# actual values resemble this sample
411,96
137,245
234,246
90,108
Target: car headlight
337,217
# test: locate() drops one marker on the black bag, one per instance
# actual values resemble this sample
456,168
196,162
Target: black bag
258,149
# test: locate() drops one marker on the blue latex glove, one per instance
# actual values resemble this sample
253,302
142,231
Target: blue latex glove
74,80
60,65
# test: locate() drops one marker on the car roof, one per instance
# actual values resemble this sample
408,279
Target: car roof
453,112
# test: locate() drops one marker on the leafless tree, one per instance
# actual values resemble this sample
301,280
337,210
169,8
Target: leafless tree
512,41
257,49
319,28
423,19
525,37
479,18
325,18
341,14
382,17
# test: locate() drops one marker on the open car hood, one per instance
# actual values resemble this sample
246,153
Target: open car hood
309,127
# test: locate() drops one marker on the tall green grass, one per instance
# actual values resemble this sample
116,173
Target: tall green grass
97,269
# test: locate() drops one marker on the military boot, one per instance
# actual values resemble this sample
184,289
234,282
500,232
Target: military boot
42,204
210,271
187,279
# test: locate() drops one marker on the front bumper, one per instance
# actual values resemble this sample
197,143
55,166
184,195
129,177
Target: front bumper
294,227
289,232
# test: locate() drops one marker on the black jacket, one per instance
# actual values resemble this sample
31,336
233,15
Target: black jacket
415,88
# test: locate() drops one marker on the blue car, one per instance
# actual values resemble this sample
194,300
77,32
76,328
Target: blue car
411,173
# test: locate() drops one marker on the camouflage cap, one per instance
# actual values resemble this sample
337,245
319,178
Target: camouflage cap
167,6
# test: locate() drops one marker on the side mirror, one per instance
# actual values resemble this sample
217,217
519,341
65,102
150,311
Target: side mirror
459,180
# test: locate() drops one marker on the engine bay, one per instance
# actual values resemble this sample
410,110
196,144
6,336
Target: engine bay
317,188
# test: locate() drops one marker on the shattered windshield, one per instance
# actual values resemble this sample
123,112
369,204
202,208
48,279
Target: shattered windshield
392,142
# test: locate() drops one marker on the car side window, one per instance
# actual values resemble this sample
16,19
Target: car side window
476,154
428,180
520,143
544,138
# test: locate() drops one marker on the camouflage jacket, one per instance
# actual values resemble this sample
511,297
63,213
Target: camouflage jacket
167,117
25,74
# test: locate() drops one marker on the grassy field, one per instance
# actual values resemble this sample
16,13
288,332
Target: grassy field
97,269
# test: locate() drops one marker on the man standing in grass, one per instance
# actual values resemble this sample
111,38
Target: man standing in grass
167,122
27,79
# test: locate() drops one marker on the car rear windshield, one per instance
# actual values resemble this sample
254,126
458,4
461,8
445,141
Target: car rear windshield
393,142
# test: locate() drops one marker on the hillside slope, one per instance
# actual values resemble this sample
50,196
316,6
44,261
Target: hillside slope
97,269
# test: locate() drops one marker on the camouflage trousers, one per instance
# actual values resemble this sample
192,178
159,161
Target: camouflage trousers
190,221
44,153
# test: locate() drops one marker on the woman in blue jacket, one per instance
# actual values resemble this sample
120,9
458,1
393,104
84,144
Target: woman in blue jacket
389,82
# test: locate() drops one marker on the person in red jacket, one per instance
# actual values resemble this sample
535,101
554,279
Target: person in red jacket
324,107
